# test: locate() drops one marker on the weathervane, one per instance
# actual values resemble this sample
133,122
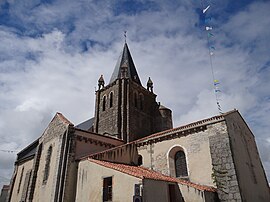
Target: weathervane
125,35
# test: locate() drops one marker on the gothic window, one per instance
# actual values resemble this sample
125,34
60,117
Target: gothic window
107,189
141,101
104,104
20,182
135,100
111,99
47,165
180,164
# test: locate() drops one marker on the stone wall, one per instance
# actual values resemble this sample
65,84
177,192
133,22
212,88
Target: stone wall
107,121
90,183
21,183
45,189
223,173
132,113
251,178
141,116
4,193
156,190
194,142
191,194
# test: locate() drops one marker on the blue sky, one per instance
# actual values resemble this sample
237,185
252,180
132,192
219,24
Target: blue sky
53,52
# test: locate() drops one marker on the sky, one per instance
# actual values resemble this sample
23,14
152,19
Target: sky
52,53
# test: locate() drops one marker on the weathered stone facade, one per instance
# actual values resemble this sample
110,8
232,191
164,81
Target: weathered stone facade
224,175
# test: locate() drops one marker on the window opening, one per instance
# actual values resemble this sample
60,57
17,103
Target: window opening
26,185
107,189
47,165
180,164
104,104
111,99
20,182
140,160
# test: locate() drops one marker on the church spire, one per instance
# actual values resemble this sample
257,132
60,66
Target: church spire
125,60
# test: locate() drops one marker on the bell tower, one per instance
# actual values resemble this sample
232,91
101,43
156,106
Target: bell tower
124,108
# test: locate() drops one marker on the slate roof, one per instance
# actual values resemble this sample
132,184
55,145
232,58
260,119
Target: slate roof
144,173
125,59
28,152
86,124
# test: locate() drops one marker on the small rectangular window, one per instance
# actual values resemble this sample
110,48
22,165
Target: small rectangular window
107,189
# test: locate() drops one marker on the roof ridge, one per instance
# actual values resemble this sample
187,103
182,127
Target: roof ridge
64,119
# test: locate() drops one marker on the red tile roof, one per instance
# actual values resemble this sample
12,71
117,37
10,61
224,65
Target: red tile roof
144,173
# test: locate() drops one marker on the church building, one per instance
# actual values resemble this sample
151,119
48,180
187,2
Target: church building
130,151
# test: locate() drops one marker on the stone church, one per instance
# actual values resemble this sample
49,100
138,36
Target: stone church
129,151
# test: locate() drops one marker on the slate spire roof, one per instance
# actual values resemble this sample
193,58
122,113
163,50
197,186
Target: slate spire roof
125,60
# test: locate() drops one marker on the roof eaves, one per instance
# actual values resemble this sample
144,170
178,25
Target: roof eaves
158,176
109,165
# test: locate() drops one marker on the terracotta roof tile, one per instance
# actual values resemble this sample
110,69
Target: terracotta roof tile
144,173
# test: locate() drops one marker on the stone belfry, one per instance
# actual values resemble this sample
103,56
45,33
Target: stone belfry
124,108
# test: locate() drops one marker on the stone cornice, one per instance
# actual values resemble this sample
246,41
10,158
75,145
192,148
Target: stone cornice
180,131
93,141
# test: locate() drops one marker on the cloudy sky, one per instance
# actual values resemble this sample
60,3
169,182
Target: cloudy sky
53,51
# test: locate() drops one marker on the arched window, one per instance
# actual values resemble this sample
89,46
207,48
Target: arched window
104,104
177,162
180,164
47,165
111,99
135,100
141,101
